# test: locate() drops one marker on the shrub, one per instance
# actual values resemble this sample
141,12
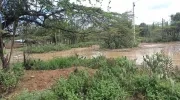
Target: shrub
152,88
18,69
106,89
73,88
96,62
159,63
10,78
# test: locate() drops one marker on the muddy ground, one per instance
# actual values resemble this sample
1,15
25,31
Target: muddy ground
171,49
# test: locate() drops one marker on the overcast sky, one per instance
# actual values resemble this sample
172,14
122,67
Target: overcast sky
147,11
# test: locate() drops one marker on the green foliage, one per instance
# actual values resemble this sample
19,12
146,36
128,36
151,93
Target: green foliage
65,62
144,30
10,78
106,90
159,63
75,87
46,48
18,69
106,84
96,62
152,88
39,95
55,47
8,81
55,63
82,44
118,32
162,32
115,79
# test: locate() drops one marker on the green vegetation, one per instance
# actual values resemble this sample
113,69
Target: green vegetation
113,31
118,32
115,79
38,95
65,62
9,79
55,47
161,32
48,26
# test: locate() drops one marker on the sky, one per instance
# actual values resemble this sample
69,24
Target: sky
147,11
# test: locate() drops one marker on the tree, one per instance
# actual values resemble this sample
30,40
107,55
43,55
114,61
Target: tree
172,32
118,31
144,30
39,12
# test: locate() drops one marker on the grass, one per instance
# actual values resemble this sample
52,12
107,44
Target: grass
65,62
58,47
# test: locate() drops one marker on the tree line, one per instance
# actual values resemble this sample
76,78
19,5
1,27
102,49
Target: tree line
161,32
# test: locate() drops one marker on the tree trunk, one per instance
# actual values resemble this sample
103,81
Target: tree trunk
12,44
3,59
2,52
55,37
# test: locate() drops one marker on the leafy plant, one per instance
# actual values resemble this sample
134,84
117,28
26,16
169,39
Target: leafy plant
159,63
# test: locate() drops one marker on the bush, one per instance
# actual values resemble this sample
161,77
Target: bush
152,88
106,89
159,63
18,69
73,88
95,63
10,78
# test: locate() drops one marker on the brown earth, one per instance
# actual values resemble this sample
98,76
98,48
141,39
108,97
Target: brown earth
44,79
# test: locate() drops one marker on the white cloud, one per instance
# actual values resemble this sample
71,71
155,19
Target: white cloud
147,11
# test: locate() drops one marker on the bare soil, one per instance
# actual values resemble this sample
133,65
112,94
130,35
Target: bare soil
44,79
